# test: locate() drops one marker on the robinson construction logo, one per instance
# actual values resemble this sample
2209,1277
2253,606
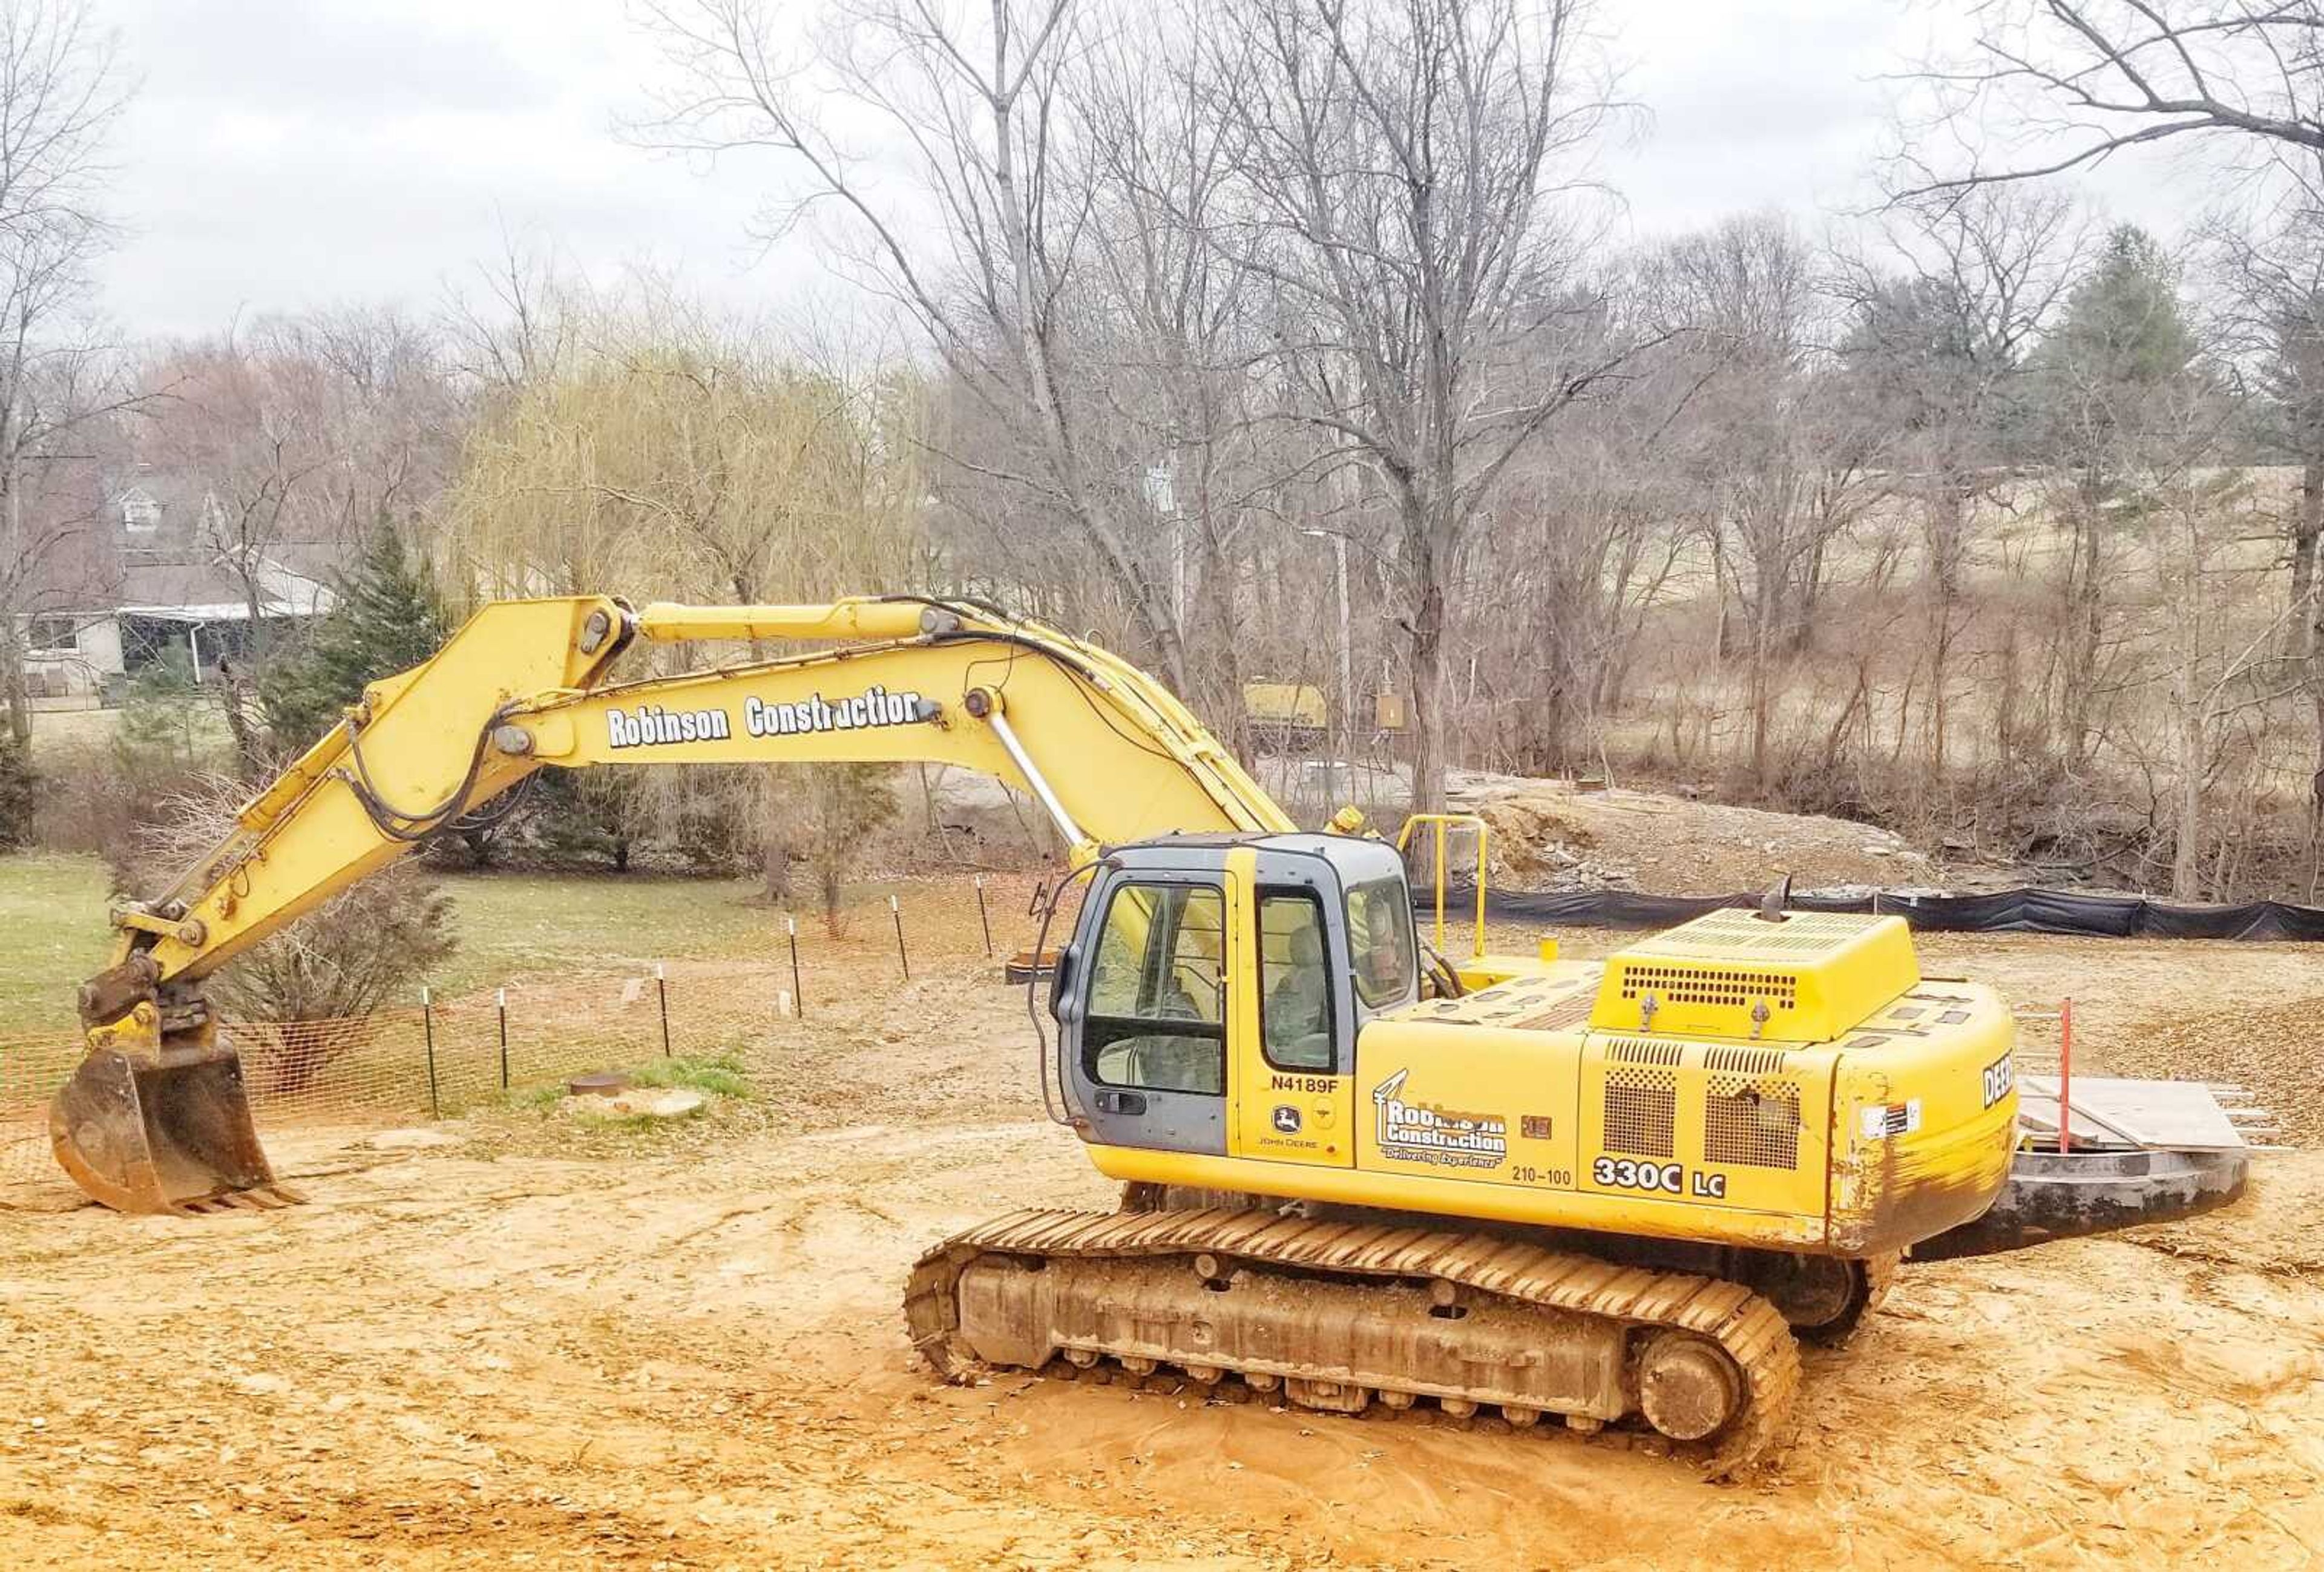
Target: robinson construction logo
1416,1132
651,725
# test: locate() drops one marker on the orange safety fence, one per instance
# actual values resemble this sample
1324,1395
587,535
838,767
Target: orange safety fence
406,1065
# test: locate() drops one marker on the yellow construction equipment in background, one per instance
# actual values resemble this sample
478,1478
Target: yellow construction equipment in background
1289,717
1354,1170
1295,718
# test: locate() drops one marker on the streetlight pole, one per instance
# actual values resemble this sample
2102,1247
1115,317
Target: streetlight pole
1347,675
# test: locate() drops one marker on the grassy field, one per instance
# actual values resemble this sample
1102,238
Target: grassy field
509,923
74,725
52,928
52,934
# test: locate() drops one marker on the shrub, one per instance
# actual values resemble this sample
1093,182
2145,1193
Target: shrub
337,964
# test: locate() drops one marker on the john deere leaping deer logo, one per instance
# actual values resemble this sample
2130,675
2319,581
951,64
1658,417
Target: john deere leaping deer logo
1422,1133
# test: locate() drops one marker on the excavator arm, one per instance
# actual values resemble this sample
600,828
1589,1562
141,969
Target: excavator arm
156,1118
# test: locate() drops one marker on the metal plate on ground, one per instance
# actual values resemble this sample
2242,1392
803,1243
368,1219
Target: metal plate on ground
2063,1196
2112,1113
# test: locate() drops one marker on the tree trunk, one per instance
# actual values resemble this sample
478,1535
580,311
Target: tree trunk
2186,835
1428,750
1762,700
1549,750
15,689
1766,615
234,697
2306,526
2085,626
2004,704
1215,659
2316,781
1946,532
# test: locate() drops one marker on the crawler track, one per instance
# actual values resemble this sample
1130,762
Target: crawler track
1128,1286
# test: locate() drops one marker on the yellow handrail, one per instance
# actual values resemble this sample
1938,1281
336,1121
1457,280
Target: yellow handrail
1444,822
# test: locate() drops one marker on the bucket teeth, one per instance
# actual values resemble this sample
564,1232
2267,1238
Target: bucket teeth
259,1199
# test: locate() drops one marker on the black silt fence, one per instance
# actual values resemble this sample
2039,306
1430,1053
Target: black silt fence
2026,910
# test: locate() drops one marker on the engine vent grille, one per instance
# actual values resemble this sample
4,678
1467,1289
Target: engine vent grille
1695,984
1641,1112
1570,1011
1754,1123
1743,1062
1642,1051
1800,933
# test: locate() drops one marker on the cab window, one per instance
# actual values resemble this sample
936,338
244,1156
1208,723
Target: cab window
1380,926
1156,1019
1294,1000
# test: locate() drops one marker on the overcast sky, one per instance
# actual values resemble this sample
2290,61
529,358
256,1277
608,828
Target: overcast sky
290,153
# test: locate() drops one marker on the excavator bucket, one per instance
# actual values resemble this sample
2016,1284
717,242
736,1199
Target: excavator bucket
170,1132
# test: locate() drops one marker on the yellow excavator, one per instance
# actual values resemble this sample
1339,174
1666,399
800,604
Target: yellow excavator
1354,1172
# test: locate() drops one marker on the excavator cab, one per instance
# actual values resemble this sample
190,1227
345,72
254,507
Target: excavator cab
1218,982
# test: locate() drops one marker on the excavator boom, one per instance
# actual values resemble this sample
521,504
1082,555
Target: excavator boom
156,1118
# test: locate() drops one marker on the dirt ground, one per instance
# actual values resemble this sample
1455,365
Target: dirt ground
1551,835
690,1354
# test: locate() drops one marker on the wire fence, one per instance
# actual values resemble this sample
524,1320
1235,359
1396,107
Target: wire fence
443,1057
438,1060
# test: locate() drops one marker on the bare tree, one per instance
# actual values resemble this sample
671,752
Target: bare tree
1942,323
1410,180
1778,453
1169,328
60,94
2048,86
2270,316
1591,530
2271,268
513,323
390,416
980,249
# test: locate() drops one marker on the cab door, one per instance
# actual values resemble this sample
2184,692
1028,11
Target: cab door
1144,1025
1290,1022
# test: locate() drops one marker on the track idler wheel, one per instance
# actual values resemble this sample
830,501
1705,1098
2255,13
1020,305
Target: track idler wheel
1688,1388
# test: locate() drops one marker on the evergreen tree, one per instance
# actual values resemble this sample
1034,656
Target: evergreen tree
389,618
2108,377
2124,336
19,792
165,730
